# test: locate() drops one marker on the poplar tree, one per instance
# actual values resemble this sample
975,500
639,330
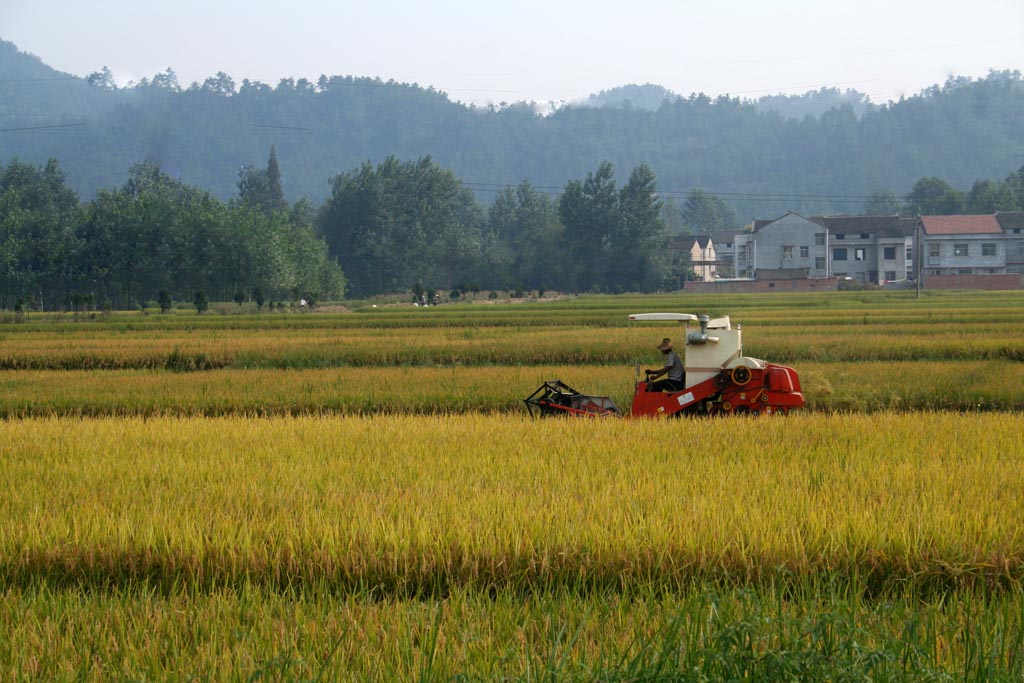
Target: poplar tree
275,195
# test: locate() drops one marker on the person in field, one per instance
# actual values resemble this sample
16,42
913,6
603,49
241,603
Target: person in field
673,369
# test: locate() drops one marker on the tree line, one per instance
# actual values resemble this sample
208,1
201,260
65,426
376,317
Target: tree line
397,226
391,227
934,196
155,239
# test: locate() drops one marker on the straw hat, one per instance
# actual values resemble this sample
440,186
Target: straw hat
665,345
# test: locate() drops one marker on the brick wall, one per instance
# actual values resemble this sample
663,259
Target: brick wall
1008,281
824,284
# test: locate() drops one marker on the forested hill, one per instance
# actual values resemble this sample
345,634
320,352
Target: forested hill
205,132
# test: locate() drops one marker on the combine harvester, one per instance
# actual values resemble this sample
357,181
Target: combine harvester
718,380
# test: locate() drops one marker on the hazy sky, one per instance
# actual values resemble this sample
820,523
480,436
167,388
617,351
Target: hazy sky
557,50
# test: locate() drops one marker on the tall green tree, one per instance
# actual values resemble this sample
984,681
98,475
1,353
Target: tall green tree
640,240
521,240
882,202
935,197
1015,186
157,233
704,212
990,196
589,213
39,216
153,233
275,196
260,188
399,223
613,240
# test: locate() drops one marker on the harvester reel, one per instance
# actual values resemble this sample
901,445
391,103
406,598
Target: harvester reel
555,397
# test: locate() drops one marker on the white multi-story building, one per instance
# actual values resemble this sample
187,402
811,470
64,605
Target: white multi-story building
1012,223
868,249
962,245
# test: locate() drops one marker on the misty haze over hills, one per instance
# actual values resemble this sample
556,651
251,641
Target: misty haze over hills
823,151
813,103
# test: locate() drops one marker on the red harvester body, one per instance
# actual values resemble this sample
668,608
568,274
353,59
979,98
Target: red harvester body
718,380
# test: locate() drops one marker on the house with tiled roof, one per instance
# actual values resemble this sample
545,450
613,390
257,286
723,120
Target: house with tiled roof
1012,223
869,249
700,250
704,258
962,245
948,251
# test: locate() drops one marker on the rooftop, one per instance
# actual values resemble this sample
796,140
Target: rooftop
961,225
1011,220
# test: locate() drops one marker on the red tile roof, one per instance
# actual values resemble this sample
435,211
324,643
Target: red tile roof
961,225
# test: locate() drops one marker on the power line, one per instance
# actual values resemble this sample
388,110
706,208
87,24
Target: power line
732,196
57,125
40,80
268,125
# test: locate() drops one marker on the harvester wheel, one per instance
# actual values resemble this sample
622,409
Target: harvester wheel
740,375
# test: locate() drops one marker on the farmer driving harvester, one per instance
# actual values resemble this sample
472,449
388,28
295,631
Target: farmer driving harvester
673,368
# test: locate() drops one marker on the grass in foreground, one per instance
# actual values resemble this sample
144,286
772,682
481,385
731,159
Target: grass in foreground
701,633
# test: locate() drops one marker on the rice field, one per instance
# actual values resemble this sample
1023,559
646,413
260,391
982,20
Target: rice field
360,496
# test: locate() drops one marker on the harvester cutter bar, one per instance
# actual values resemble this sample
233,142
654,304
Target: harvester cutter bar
555,397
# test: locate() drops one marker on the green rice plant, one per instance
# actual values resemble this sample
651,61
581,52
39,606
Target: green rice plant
701,632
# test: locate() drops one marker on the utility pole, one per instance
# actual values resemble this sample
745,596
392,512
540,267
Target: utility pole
917,255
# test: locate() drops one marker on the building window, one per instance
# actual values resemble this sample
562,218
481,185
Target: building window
890,276
787,251
889,253
805,252
839,254
934,250
910,254
961,249
988,249
819,263
965,271
819,239
840,236
865,235
859,254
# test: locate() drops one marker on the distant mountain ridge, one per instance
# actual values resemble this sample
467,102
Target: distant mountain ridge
762,157
811,103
